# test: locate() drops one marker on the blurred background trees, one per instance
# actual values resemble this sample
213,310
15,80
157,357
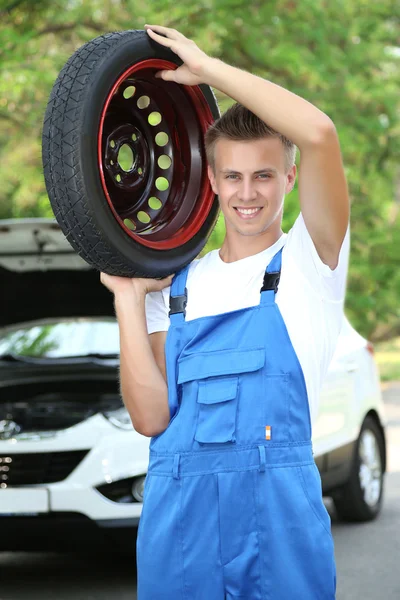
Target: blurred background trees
342,55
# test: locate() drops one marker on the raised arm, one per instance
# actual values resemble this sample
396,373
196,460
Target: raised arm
322,184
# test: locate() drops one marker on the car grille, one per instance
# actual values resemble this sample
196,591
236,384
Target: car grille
46,467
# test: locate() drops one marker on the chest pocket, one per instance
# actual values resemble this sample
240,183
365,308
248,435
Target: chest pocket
218,380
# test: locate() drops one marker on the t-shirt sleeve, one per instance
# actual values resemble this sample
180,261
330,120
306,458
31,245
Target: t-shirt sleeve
157,311
329,283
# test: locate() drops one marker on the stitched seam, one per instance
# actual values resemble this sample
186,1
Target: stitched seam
223,408
180,528
297,361
227,470
256,497
204,386
286,422
303,485
223,352
289,403
232,371
219,533
236,450
256,307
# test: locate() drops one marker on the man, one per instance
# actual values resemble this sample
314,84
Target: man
233,505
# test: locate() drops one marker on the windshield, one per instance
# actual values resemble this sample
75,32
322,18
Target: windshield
62,338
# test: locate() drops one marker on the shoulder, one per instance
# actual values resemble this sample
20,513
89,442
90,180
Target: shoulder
157,303
156,312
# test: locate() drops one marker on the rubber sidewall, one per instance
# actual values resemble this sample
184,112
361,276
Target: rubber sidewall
105,71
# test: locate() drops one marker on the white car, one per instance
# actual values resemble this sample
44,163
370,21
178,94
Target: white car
72,468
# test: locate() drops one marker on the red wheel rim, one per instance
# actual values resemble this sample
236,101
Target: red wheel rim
163,198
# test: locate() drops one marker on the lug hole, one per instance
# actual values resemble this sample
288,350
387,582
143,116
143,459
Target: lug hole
125,158
143,217
130,224
164,162
162,139
162,184
155,203
129,91
154,118
143,102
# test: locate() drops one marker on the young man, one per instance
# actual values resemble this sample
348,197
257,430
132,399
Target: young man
233,506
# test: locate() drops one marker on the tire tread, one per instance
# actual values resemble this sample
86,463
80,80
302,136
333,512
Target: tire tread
61,157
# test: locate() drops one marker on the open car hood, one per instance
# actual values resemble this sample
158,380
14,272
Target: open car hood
41,276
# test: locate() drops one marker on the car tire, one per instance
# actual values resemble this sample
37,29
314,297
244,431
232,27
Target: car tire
99,213
360,499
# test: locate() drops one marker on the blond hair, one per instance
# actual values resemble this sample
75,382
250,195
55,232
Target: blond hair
239,124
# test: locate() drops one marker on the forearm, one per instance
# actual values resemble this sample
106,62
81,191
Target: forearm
296,118
144,390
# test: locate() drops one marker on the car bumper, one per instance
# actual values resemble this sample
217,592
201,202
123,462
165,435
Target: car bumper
112,455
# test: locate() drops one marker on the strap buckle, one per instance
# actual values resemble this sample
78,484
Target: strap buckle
271,281
177,304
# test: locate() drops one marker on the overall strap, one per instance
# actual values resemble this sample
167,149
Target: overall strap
178,296
271,279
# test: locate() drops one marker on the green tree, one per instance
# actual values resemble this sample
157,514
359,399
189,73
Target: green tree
342,55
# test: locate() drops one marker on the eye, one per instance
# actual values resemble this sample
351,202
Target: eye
265,175
230,176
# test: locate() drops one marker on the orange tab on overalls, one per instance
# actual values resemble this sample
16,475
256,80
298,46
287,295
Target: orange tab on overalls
268,432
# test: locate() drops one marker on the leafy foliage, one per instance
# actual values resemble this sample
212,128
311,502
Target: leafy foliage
342,55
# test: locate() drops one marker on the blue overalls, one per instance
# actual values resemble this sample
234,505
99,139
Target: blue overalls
232,503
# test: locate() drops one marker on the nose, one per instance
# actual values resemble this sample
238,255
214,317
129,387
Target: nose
247,190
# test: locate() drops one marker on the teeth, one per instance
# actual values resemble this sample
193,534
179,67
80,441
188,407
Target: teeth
247,211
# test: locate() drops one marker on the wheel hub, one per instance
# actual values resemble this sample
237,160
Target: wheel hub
126,136
370,472
151,158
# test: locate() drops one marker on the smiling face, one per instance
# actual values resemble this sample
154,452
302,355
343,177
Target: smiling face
251,181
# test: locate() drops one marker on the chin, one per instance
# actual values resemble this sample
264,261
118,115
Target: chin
253,231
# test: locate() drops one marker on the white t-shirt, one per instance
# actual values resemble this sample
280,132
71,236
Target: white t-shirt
310,297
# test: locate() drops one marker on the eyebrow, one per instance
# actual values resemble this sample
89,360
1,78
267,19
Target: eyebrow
266,170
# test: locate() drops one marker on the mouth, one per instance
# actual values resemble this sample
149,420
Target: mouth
247,213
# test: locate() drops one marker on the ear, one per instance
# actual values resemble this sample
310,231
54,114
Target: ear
211,177
290,179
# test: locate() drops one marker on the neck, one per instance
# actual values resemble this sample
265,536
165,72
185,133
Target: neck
237,246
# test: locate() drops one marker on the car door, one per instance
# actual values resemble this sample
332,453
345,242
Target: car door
333,427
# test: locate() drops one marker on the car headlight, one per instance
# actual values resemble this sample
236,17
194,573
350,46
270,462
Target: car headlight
119,418
124,491
138,488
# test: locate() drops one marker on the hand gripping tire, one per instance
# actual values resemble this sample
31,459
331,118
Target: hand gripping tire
124,159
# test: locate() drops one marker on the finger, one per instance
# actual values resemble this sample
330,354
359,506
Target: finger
157,285
168,75
173,34
104,281
167,280
160,39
